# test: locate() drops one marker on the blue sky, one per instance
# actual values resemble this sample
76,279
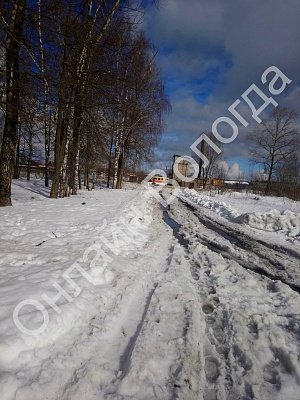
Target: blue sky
209,53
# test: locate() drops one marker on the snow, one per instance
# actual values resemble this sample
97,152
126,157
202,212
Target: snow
274,221
245,201
141,306
40,239
251,323
270,214
237,182
219,207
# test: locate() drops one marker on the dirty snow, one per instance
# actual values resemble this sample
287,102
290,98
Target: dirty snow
190,305
270,214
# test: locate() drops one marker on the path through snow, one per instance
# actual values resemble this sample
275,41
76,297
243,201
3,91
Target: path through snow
187,305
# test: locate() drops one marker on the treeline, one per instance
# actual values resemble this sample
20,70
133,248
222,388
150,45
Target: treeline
80,86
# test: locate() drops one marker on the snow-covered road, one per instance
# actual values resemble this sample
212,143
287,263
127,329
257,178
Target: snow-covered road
249,291
189,305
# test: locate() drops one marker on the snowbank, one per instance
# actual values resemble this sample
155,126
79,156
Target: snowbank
273,221
62,263
219,207
257,212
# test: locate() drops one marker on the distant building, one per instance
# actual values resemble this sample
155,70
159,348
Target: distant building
183,169
230,183
36,170
217,182
261,176
130,177
236,184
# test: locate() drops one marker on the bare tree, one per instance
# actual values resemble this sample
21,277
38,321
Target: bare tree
275,140
142,103
289,171
95,86
93,20
221,170
12,100
46,106
205,173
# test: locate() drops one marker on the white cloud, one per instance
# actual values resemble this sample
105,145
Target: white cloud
195,36
233,171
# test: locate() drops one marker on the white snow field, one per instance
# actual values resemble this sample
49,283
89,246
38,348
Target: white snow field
108,295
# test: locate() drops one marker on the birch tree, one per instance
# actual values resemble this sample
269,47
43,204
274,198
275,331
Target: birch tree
143,102
96,20
12,99
46,102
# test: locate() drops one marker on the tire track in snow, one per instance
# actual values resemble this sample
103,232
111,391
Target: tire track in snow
216,380
125,358
270,265
222,353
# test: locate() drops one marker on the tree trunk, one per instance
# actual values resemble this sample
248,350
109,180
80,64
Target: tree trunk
110,162
79,179
120,171
29,158
17,158
201,161
268,186
122,161
59,152
47,108
204,180
116,160
76,183
87,178
65,96
74,148
64,189
10,133
47,133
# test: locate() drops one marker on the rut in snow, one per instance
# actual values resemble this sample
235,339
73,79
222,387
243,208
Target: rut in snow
126,356
269,265
216,358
